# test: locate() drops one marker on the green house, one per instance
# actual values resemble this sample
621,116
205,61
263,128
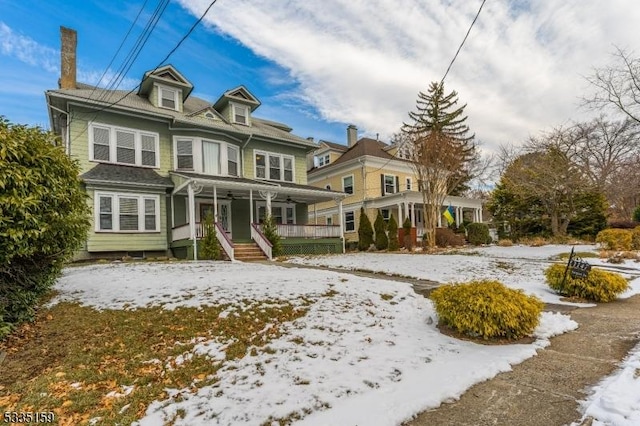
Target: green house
155,161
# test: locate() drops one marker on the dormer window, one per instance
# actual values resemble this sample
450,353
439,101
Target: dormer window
240,114
322,160
168,97
210,115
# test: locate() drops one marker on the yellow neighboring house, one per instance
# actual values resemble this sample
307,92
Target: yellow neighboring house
376,177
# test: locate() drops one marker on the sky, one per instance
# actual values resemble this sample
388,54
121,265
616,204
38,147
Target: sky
319,66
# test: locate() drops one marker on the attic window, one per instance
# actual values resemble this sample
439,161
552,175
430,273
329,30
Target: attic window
241,114
168,98
210,115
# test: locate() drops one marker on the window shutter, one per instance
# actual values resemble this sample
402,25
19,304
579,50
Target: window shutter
397,184
382,183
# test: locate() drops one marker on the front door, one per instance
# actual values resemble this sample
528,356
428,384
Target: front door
224,214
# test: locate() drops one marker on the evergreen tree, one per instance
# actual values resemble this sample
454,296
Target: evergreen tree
365,232
210,245
270,231
382,242
392,228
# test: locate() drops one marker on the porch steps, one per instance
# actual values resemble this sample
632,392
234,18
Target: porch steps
247,252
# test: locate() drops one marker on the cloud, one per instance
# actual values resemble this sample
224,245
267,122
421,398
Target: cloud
32,53
363,62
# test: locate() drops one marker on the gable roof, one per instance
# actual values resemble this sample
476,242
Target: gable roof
364,146
166,74
334,146
239,94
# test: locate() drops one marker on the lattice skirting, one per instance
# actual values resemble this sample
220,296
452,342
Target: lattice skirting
310,248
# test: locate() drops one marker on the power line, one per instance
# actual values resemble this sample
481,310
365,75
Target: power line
402,143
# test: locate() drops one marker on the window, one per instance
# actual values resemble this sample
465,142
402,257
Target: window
282,213
408,180
385,214
329,220
274,166
347,184
184,152
120,145
328,186
232,160
322,160
210,158
240,114
349,221
168,98
389,184
126,212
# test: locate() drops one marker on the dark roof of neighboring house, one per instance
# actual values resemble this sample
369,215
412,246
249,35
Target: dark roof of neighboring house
117,174
364,146
336,146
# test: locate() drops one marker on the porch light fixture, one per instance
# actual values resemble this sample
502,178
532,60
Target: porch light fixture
230,196
289,200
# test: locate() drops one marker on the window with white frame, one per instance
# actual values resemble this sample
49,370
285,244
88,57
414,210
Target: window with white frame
240,114
120,145
329,220
322,160
347,184
272,166
132,213
232,160
349,221
206,156
168,97
389,184
210,157
408,180
282,213
184,154
386,214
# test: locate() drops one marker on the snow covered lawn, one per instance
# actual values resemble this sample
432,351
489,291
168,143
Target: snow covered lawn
518,267
366,352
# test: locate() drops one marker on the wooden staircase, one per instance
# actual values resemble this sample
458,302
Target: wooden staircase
247,252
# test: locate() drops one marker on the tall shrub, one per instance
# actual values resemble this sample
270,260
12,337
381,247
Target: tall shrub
636,214
392,229
406,226
43,218
478,233
382,242
365,232
210,245
270,231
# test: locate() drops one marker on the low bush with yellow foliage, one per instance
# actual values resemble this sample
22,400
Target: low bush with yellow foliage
614,239
487,309
598,286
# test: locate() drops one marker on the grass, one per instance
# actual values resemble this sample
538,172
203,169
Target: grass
83,364
582,254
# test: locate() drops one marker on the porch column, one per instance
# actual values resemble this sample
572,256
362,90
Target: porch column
173,212
341,220
480,215
458,214
215,205
192,220
399,213
413,215
315,214
406,212
268,206
250,207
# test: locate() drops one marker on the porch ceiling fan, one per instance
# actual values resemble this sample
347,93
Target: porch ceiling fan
230,195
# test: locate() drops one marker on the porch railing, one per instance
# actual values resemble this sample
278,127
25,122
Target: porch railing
261,240
225,242
308,231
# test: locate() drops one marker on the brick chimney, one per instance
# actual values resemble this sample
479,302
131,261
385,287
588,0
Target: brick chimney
352,135
69,41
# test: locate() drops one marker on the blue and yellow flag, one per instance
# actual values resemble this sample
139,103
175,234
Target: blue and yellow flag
448,214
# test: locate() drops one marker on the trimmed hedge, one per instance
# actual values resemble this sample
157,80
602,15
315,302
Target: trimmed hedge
478,234
487,309
614,239
599,286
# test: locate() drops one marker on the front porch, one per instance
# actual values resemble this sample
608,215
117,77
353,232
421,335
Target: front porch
238,207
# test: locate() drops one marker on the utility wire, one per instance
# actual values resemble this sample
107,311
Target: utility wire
402,143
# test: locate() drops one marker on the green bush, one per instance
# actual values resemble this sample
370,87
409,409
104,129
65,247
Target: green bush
271,233
44,218
382,242
487,309
445,237
478,234
392,229
599,286
636,214
365,232
614,239
210,245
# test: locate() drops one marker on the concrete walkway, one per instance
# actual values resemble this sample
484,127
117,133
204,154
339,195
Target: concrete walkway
544,390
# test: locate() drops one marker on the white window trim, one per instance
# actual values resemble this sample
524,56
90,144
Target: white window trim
196,152
278,204
233,113
408,183
113,145
177,97
345,221
115,212
268,154
238,165
395,190
353,183
323,160
328,218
